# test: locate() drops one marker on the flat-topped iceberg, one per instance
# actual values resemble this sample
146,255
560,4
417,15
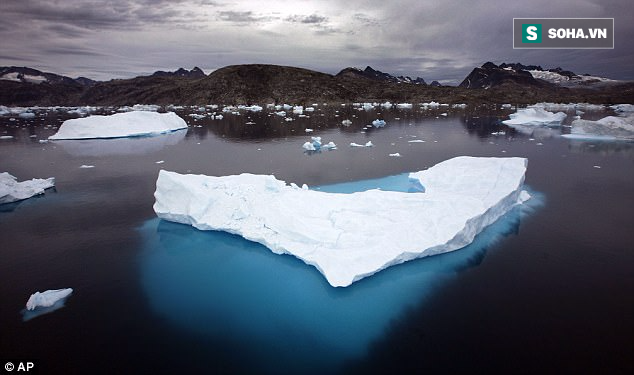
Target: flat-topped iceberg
47,298
12,191
350,236
607,128
535,116
126,124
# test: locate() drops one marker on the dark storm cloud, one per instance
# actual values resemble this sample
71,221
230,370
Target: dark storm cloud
241,18
312,19
435,40
92,15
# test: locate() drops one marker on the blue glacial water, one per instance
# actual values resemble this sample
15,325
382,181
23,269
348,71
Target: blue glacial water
281,312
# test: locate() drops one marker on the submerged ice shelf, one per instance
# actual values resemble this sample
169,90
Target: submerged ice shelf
126,124
350,236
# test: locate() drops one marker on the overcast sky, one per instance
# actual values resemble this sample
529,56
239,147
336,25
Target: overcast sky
437,40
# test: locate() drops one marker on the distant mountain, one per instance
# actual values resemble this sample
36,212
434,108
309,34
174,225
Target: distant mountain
184,73
261,84
379,76
34,76
490,75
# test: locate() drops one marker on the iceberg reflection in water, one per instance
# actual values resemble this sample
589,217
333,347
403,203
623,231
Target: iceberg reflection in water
281,311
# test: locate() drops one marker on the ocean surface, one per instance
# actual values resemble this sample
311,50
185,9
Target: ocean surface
547,289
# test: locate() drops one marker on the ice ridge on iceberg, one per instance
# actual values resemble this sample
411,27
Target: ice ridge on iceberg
350,236
126,124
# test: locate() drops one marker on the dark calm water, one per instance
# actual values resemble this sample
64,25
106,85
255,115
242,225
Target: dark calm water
547,289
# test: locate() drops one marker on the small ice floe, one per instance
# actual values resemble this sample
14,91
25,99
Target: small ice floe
159,162
45,302
252,108
308,130
288,119
416,141
6,137
396,155
281,113
498,133
26,115
378,123
404,105
309,109
346,122
367,144
216,117
596,166
506,106
316,145
298,109
444,114
47,298
196,116
85,166
12,191
250,123
43,141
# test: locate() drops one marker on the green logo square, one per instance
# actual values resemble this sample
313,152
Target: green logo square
531,33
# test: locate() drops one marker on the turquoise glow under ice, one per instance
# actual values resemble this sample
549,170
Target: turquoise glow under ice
280,310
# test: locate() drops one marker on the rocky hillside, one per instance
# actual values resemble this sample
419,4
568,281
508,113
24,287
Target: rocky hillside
378,75
260,84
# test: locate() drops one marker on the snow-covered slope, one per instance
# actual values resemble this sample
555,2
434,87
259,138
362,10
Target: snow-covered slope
350,236
127,124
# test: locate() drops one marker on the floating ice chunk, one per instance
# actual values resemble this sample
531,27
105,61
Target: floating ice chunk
444,114
368,144
217,117
416,141
309,109
85,166
506,106
298,110
127,124
404,105
140,107
331,231
309,146
329,146
196,116
11,190
524,119
378,123
607,128
252,108
460,105
346,122
26,115
396,154
386,105
47,298
623,108
288,119
308,130
6,137
281,113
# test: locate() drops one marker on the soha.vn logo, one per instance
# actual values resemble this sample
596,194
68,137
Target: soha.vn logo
531,33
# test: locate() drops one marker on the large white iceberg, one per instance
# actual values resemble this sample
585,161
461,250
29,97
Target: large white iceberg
349,236
47,298
11,190
535,116
608,128
126,124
